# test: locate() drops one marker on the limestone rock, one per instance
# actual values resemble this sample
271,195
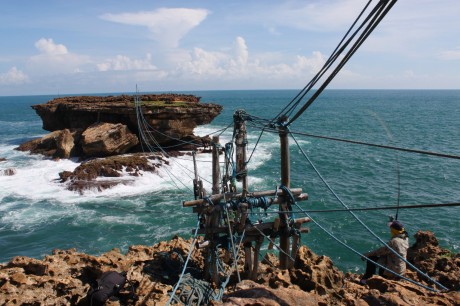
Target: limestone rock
123,167
250,293
172,117
58,144
427,255
64,144
316,273
105,139
8,172
64,277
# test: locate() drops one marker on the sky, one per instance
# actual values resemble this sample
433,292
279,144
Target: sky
87,46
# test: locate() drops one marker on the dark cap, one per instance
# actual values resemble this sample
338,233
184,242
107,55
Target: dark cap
397,225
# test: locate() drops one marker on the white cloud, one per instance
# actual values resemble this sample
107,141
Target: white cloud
311,64
313,15
409,74
121,62
13,76
450,54
167,25
55,59
47,46
205,63
241,50
238,64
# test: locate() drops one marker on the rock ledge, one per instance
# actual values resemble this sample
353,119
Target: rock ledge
64,277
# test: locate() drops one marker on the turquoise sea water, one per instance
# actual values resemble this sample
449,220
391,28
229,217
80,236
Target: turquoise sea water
37,214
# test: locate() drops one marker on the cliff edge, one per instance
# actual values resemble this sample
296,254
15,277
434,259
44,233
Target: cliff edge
64,278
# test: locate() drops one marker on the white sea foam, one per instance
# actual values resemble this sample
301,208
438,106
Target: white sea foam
31,216
262,152
36,185
125,220
36,179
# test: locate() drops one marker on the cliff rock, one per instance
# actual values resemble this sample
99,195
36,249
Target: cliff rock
444,265
100,173
105,139
170,116
64,278
58,144
8,172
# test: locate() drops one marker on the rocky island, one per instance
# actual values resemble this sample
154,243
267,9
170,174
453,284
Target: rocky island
90,127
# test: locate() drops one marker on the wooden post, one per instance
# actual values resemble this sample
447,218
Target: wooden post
197,184
215,165
234,252
248,258
285,158
286,181
226,175
241,142
255,263
296,238
211,269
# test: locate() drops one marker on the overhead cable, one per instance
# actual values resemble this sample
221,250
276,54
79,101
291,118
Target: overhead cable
372,20
438,154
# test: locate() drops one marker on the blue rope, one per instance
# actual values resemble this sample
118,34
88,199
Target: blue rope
366,227
291,198
229,156
185,265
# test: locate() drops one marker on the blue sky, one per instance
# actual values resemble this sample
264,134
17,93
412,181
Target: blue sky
87,46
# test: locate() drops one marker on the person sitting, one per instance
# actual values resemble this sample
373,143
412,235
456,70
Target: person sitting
399,242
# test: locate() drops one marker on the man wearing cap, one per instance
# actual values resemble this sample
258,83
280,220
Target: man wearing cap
399,242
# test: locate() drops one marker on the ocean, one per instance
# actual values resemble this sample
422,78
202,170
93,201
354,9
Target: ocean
37,213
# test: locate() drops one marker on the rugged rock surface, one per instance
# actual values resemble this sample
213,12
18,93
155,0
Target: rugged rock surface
58,144
64,278
8,172
167,114
106,139
444,266
90,174
250,293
